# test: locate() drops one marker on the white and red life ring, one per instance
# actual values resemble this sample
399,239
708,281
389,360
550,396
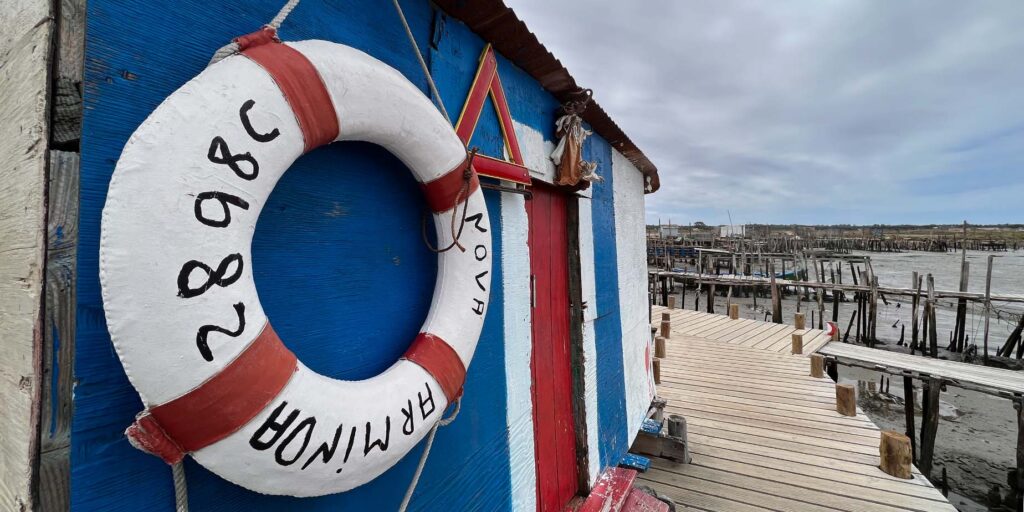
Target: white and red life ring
181,305
831,329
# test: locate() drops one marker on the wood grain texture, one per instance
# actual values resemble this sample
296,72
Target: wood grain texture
26,28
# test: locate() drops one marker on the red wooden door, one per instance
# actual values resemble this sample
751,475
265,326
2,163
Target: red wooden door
554,432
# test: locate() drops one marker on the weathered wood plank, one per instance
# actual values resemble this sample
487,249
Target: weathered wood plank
26,28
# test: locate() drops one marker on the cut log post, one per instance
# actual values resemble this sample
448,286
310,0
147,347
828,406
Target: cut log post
666,316
666,329
672,302
817,366
894,453
846,399
656,369
659,347
734,311
798,343
800,321
929,424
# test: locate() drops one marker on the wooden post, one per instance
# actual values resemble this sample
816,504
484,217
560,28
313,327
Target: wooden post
894,453
800,321
1018,404
846,399
664,290
776,298
933,331
915,282
908,410
666,329
734,311
817,366
988,307
929,424
853,318
672,302
656,369
798,343
961,308
659,347
666,316
711,298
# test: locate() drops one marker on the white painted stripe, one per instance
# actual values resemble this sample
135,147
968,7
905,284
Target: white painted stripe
631,251
589,294
515,268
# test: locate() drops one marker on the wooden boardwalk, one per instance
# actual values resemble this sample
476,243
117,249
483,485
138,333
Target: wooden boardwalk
747,333
764,434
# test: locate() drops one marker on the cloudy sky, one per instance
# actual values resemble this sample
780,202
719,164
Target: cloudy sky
816,111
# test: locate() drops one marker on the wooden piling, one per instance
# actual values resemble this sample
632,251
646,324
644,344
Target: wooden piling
846,399
776,297
799,321
672,302
666,329
908,411
659,347
933,331
853,318
734,311
915,282
666,316
817,366
656,369
1018,404
961,308
929,424
988,307
894,454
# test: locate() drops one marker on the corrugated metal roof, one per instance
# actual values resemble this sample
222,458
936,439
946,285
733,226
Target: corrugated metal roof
499,25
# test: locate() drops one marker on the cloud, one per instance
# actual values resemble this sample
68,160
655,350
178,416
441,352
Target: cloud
809,112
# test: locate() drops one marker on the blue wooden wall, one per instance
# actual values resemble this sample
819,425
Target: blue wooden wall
337,256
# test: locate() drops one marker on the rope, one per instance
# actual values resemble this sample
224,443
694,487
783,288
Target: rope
467,177
180,487
443,422
423,63
232,48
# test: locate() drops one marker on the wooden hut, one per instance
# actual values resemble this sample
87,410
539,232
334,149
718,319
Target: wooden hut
560,380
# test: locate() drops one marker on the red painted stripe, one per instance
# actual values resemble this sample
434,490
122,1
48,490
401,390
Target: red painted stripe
501,169
477,95
442,193
505,116
221,405
441,361
302,87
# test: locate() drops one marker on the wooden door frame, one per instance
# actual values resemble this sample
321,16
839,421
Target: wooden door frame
579,406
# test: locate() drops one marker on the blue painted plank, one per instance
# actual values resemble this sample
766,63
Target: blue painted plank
634,461
611,407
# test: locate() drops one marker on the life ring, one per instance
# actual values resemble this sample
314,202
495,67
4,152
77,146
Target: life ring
831,329
178,292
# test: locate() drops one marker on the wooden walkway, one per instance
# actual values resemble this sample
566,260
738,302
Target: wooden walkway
764,434
994,381
747,333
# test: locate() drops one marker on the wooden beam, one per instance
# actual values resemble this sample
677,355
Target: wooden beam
26,62
579,406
